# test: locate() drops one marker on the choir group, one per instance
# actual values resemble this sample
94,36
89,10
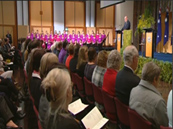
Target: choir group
82,39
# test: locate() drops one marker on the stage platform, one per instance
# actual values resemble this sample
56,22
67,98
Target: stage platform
158,56
161,56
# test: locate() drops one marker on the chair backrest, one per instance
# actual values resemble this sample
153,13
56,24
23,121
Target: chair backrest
122,111
73,78
79,81
137,122
98,94
161,127
110,106
88,87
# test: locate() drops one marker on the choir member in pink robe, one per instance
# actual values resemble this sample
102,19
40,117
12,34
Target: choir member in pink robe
99,41
49,44
60,35
103,35
87,35
83,39
37,35
73,38
51,36
92,35
55,35
62,38
97,35
65,34
32,35
89,41
81,43
94,41
68,38
44,45
43,38
28,37
58,39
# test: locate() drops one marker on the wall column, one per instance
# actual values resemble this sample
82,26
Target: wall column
58,15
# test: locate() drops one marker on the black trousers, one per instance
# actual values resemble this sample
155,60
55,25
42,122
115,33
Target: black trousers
5,111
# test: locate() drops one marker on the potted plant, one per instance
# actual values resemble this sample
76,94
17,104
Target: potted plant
146,20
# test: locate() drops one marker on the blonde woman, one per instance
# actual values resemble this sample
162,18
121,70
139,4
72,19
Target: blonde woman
82,60
58,88
47,60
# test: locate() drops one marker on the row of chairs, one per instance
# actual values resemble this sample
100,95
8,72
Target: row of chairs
117,112
32,99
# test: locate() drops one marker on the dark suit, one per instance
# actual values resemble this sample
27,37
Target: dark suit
125,81
126,26
10,38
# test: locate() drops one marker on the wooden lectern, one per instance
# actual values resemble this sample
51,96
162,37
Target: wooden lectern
149,42
119,40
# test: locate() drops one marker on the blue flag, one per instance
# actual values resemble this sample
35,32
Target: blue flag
166,35
159,29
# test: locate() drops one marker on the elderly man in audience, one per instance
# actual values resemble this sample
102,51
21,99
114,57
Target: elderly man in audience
146,100
126,78
113,66
100,69
169,108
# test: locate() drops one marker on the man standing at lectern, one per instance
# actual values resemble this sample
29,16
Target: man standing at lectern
126,24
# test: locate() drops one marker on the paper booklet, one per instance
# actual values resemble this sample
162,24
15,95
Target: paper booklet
94,119
76,107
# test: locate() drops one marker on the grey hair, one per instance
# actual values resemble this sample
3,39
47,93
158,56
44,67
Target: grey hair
149,71
114,60
129,53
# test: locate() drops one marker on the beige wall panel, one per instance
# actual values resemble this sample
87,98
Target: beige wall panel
71,29
79,29
10,29
37,28
1,22
46,29
109,16
23,31
100,16
35,13
1,32
69,13
109,39
79,14
47,13
9,12
90,29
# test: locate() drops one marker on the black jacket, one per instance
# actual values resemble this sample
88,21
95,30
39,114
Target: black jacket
126,26
125,81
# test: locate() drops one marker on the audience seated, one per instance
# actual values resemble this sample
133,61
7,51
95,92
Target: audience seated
82,60
6,114
25,54
58,89
113,66
74,60
47,61
145,98
32,45
89,68
59,47
71,54
34,75
66,55
126,78
62,52
169,108
100,69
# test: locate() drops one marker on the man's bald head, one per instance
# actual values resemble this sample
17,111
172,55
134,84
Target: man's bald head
125,18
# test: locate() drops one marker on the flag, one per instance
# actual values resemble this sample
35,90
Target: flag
166,35
159,29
